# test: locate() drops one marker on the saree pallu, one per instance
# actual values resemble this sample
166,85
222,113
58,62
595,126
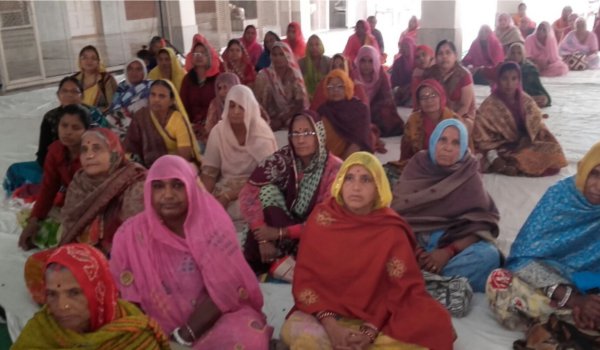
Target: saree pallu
383,109
580,52
536,153
453,83
133,330
532,84
100,94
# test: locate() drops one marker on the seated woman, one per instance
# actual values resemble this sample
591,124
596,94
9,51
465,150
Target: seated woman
62,162
280,88
454,237
76,315
362,36
99,86
215,61
541,49
507,32
198,89
168,68
236,145
554,263
368,310
180,261
485,52
252,46
163,128
295,40
338,61
381,101
345,118
277,207
103,194
30,173
131,96
314,65
510,134
424,58
430,110
532,84
456,80
236,60
579,48
156,43
264,60
402,71
412,29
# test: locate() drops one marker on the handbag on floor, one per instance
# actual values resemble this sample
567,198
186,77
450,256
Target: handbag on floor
576,61
454,292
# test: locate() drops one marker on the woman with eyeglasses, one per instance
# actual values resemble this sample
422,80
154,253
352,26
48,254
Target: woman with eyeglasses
345,118
99,86
283,190
236,145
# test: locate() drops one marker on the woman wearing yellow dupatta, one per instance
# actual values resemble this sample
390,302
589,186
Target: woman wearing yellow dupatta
168,68
99,86
162,128
77,316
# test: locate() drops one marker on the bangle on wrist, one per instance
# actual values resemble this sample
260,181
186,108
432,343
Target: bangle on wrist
566,297
370,331
321,315
179,340
550,291
191,332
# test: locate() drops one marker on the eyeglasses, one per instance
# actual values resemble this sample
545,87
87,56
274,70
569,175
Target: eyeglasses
198,54
72,92
335,87
302,134
428,97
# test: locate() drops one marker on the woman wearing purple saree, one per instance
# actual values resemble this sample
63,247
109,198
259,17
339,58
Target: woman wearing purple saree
180,261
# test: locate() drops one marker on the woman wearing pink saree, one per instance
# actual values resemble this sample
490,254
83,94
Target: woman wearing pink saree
579,48
362,36
541,48
180,261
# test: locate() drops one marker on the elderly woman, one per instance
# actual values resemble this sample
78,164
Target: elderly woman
59,168
236,145
368,310
98,85
276,207
280,88
264,60
554,263
223,83
163,128
381,101
402,71
454,237
510,134
345,118
507,32
579,48
83,310
168,68
314,65
23,174
236,60
456,80
362,36
412,29
532,84
542,49
131,96
180,261
485,52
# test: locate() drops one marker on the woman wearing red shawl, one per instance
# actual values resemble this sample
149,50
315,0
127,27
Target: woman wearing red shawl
412,30
198,87
283,190
236,60
252,46
180,261
346,119
280,88
338,61
215,62
485,52
424,58
456,80
509,131
541,48
82,308
381,101
455,237
362,36
357,283
295,40
402,71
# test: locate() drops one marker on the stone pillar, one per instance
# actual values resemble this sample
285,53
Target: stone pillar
440,19
509,6
182,23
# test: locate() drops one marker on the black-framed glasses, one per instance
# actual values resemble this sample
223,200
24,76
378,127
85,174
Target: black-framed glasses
302,134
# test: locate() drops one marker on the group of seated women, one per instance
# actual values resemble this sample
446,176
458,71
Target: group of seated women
189,198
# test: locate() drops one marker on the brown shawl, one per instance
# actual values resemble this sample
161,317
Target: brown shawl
143,141
452,199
